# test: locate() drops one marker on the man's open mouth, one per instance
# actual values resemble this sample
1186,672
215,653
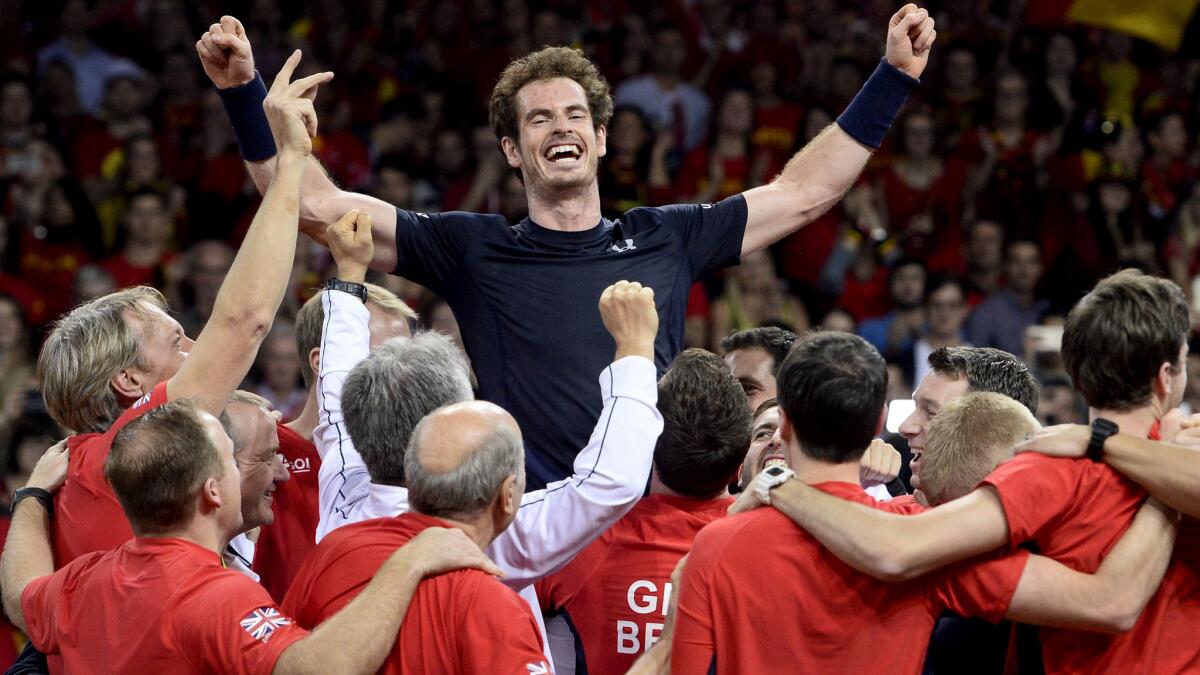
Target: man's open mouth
564,152
773,459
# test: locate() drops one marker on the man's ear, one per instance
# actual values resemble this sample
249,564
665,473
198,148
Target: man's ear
787,433
210,495
882,419
129,385
314,361
512,499
511,152
1163,379
601,141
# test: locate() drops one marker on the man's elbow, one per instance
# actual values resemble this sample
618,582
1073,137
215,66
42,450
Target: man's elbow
893,564
1118,614
12,608
808,201
248,322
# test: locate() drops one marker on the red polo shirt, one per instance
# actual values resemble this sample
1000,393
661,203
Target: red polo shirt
284,544
1076,511
615,593
87,515
156,606
460,622
760,595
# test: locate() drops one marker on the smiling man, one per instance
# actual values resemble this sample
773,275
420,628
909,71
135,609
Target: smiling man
252,428
523,293
953,372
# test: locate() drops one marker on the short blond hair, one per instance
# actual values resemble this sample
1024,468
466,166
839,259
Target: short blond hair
85,350
251,398
311,318
967,439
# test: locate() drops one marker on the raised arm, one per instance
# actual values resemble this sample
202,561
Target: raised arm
892,547
359,637
27,553
343,482
228,61
817,177
609,474
1111,599
1168,471
250,295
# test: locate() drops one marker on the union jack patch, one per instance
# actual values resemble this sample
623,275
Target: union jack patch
262,622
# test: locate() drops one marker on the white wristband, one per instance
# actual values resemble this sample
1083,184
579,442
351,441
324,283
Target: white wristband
769,478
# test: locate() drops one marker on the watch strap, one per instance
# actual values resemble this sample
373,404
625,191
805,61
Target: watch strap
356,289
768,480
1102,430
37,493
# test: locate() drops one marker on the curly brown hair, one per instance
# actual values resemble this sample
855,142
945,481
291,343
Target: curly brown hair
545,64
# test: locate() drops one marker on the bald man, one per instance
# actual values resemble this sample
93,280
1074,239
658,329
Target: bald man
465,469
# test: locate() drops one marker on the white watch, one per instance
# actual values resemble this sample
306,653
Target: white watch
768,479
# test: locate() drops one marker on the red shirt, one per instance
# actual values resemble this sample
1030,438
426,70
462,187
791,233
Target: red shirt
157,606
284,544
460,622
87,515
760,595
1076,511
616,591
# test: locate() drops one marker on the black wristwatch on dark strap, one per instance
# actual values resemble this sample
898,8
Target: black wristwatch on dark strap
39,494
357,290
1102,429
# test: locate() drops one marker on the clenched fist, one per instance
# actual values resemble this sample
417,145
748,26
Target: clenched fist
630,316
910,35
352,246
225,54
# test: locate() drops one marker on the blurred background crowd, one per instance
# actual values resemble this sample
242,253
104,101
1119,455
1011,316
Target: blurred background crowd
1037,156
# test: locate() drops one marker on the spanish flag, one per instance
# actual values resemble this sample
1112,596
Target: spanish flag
1159,21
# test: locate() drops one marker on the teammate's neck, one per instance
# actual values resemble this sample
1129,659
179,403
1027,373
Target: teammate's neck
658,488
479,530
567,211
1134,422
204,532
814,471
306,422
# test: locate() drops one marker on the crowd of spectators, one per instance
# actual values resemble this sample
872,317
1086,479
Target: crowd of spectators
1031,164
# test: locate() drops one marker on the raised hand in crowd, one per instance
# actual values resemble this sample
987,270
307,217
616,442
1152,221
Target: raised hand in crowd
629,314
352,245
289,107
225,53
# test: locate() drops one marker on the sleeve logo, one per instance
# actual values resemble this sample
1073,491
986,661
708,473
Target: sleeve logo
539,668
262,623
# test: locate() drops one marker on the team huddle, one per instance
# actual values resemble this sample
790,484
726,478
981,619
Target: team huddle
610,502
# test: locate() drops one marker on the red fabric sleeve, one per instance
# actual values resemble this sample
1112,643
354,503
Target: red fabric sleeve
982,587
1034,490
498,631
693,644
229,624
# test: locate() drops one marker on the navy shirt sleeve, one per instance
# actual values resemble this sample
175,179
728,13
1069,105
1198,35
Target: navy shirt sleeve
712,233
430,246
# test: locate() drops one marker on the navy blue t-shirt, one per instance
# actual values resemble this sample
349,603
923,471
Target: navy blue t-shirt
526,300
